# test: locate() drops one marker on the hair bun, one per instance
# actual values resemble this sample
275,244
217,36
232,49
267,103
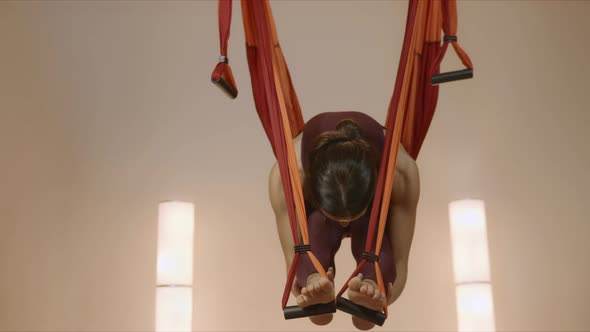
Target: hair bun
350,128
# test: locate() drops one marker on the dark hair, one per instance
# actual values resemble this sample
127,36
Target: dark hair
342,171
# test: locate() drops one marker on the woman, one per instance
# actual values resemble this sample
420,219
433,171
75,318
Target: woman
339,155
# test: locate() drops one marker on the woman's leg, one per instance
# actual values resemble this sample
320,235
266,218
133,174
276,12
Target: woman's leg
363,290
325,238
359,230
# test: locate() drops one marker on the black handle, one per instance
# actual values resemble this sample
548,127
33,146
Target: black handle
225,87
312,310
452,76
350,307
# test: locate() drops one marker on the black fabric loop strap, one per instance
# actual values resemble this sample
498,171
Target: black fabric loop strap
303,248
450,38
370,257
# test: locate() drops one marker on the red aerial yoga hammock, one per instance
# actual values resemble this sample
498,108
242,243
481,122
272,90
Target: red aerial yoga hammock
410,112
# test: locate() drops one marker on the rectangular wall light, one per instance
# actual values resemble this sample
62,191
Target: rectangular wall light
471,266
174,283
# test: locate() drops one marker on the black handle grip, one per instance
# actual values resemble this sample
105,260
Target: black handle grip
452,76
350,307
312,310
225,87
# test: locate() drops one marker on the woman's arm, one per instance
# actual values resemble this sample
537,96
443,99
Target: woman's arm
277,200
402,220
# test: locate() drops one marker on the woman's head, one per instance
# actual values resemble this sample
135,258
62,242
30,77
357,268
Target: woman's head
342,172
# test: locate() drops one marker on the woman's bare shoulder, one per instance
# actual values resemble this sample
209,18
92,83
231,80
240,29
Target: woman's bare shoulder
406,186
406,164
275,189
275,185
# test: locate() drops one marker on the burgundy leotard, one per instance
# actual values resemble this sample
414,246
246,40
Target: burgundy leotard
326,235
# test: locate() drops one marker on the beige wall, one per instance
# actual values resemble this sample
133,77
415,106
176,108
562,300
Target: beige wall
106,108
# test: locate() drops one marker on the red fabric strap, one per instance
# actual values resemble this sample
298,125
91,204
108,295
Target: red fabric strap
224,13
390,123
222,74
450,27
265,71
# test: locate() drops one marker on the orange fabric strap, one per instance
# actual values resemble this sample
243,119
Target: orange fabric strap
276,101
